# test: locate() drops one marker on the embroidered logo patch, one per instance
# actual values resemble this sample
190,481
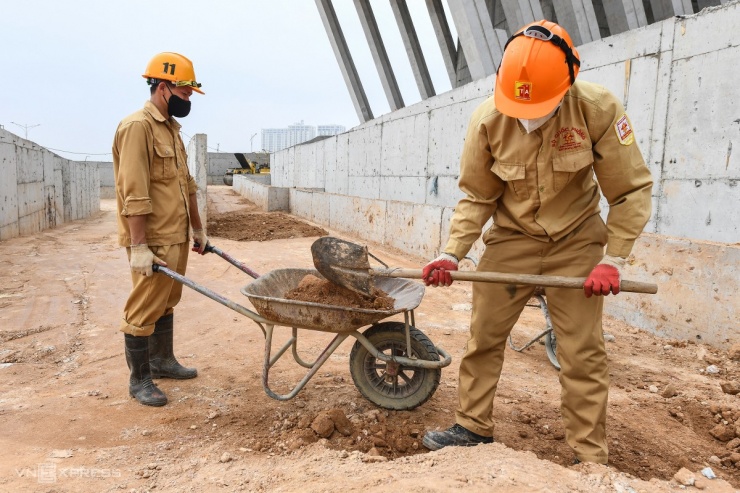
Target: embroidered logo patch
523,90
568,139
623,127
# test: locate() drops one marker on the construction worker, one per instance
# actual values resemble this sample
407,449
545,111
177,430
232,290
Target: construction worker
157,206
531,160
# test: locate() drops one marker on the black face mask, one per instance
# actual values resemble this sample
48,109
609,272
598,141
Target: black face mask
176,106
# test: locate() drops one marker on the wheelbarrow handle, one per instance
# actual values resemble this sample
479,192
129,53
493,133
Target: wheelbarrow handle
239,265
526,279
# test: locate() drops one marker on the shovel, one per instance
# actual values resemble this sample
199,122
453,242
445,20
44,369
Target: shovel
346,264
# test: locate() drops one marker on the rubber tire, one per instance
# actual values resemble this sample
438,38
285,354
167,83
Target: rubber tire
551,346
228,180
383,336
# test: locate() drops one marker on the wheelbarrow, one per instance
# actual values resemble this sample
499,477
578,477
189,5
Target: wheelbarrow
392,363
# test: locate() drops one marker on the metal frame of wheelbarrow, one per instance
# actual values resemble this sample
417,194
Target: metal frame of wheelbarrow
267,326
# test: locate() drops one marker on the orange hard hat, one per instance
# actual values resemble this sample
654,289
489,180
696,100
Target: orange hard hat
174,68
539,65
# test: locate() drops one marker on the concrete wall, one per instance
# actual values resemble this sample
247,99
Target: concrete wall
393,180
41,190
107,181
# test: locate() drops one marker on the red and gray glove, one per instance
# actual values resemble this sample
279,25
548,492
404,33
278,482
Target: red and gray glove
605,277
437,272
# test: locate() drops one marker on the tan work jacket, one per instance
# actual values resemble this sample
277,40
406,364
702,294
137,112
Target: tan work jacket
542,184
152,177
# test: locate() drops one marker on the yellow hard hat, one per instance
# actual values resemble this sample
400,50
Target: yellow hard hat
174,68
539,65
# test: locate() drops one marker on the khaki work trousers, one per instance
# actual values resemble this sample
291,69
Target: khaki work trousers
584,376
155,296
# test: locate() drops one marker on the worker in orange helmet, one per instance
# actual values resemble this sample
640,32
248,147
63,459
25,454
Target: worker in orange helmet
537,158
157,207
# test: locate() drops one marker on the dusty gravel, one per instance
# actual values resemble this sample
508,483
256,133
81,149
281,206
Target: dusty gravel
68,424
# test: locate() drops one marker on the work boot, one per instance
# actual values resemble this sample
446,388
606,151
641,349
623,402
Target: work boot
140,383
456,436
161,356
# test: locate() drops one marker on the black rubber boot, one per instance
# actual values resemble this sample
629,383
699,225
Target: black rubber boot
456,436
161,355
140,383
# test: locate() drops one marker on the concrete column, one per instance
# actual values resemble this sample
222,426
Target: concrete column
479,40
710,3
579,19
663,9
521,12
444,38
380,56
413,48
623,15
198,167
344,58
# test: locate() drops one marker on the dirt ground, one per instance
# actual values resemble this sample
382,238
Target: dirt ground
68,424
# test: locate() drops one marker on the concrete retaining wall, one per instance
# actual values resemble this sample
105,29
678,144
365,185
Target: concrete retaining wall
107,181
394,179
41,190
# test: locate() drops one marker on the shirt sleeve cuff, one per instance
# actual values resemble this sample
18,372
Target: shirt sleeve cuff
136,206
192,186
619,248
456,248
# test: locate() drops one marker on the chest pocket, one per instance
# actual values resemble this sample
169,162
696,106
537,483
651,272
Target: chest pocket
514,175
566,166
164,163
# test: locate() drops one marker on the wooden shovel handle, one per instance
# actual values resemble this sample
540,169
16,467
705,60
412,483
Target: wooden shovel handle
527,279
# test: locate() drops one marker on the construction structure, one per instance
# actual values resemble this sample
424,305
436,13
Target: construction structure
393,179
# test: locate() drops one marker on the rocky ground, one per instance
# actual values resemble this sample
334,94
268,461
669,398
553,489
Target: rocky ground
68,423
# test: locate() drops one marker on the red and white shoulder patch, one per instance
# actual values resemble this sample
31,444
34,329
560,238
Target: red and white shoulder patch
623,128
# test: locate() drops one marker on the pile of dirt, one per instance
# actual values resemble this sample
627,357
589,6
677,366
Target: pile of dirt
260,226
315,290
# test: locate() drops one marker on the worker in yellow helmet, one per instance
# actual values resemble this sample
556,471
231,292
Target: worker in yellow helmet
157,206
537,158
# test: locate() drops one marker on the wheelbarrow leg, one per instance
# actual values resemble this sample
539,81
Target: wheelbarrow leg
270,361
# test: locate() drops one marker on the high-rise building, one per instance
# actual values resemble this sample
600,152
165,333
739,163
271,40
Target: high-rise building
275,139
330,129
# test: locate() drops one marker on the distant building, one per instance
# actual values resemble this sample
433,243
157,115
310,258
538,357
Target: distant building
330,129
275,139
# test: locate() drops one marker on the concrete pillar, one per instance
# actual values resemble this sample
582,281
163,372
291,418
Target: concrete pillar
380,56
623,15
480,42
710,3
344,58
413,48
198,167
521,12
579,19
663,9
444,38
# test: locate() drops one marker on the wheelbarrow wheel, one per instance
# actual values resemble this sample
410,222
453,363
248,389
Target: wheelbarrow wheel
551,346
389,385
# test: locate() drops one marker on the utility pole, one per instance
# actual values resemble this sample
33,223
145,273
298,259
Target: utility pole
251,140
25,128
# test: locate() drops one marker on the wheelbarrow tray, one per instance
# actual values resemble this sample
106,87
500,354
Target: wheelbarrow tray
267,295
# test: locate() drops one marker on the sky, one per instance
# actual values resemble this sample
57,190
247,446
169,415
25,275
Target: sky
71,70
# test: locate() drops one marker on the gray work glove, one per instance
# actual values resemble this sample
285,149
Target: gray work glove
142,259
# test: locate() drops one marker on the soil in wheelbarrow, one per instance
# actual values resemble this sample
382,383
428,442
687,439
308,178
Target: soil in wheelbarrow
315,290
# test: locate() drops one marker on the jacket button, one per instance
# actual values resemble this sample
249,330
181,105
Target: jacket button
542,189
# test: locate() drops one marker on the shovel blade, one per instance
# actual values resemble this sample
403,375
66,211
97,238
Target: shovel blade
343,263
